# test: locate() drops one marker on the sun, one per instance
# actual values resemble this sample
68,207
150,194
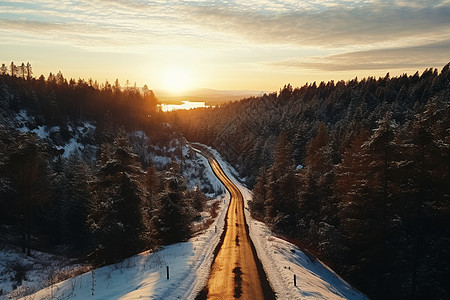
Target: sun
177,80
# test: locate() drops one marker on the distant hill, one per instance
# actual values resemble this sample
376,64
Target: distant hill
210,96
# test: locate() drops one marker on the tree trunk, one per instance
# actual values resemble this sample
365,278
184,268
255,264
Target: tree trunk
28,243
24,246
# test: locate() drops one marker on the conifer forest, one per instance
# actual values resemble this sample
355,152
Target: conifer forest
355,173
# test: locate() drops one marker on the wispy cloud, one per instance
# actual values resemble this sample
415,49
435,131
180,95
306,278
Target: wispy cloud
339,26
94,24
334,24
417,57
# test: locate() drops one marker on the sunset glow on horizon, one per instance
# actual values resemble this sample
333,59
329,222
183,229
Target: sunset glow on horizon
177,80
226,45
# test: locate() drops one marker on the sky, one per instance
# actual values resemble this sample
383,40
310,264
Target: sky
228,45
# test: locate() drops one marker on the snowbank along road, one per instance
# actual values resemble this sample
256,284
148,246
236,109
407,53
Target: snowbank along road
236,271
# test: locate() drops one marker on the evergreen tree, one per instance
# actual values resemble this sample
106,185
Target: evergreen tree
380,148
28,71
3,69
13,69
281,199
317,153
172,215
77,205
117,219
259,196
29,174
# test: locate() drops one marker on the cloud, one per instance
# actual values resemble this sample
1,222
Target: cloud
100,24
81,34
339,26
429,55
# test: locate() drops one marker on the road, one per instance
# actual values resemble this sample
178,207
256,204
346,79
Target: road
236,271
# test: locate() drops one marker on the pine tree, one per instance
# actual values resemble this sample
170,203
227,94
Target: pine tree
380,147
360,212
259,195
119,195
129,205
28,71
13,69
3,69
317,153
172,216
77,205
29,174
21,71
282,186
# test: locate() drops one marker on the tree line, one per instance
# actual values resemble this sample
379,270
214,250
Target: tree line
355,172
24,70
57,98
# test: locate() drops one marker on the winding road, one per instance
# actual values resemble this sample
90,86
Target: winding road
236,271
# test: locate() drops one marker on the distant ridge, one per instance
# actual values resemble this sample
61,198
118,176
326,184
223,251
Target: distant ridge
210,96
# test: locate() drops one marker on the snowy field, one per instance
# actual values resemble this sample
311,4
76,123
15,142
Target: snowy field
144,276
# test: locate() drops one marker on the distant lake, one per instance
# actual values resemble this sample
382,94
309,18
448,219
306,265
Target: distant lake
185,105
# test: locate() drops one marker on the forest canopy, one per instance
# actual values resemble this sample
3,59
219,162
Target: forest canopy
355,172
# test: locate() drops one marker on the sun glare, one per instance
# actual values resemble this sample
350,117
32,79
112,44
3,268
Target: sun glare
177,80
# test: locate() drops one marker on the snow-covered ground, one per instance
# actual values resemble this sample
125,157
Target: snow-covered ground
144,275
195,168
80,143
21,274
198,173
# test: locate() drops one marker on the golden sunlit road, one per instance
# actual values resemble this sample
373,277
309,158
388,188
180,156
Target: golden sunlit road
236,272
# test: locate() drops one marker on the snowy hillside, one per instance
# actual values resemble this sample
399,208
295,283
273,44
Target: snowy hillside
195,168
21,275
144,275
70,139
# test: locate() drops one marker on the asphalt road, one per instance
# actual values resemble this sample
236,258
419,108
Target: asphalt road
236,271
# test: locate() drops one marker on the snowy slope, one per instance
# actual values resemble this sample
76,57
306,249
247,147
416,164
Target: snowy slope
33,272
281,259
144,275
198,173
195,168
71,139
